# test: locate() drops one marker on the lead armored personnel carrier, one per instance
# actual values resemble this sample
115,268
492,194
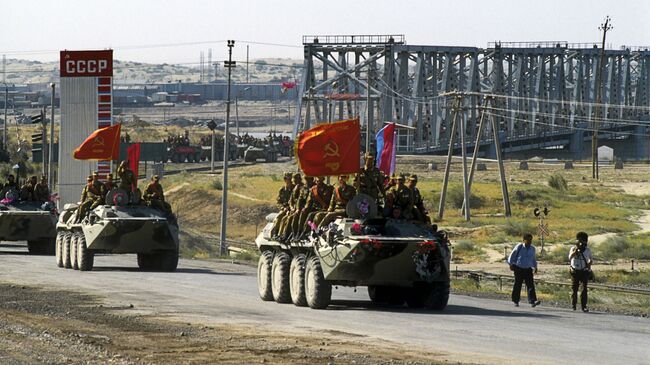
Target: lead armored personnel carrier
399,261
34,222
125,226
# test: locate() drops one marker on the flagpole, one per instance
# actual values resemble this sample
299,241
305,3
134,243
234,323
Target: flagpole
368,118
224,197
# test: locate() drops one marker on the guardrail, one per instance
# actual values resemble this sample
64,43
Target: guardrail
478,276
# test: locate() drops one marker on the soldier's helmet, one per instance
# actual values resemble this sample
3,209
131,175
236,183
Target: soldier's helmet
413,178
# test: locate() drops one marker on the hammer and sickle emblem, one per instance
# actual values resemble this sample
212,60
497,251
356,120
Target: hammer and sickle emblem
334,166
97,142
331,149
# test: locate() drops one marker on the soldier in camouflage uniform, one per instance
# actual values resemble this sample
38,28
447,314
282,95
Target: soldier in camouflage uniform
91,198
27,190
419,211
42,191
371,180
295,224
294,206
127,177
155,197
401,198
284,194
318,201
342,194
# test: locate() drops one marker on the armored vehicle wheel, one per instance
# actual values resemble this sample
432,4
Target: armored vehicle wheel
280,277
297,280
317,290
145,261
67,242
85,258
167,260
59,248
439,296
264,275
73,250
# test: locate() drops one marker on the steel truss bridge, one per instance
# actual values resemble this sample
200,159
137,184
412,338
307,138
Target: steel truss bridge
543,94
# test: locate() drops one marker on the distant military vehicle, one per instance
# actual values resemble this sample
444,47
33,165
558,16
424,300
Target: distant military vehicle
33,222
125,226
266,153
397,260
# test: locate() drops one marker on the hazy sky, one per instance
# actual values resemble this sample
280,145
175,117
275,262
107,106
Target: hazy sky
38,29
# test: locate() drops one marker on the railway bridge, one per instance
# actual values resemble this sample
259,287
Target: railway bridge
542,94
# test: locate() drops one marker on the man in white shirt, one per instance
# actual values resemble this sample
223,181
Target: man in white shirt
581,259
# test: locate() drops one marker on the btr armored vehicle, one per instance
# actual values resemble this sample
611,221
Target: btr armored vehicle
399,261
34,222
124,226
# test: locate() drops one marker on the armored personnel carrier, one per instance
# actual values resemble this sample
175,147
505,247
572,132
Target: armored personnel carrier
34,222
399,261
267,153
125,226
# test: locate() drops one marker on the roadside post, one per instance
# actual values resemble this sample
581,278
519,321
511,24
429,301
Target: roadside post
542,227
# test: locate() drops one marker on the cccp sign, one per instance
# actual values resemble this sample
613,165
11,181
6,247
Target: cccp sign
86,63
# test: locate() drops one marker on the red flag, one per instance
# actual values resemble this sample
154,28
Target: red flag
133,153
103,144
330,149
287,85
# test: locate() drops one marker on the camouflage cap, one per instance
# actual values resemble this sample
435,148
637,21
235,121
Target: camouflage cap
89,178
109,176
95,173
287,175
155,177
344,177
401,177
43,177
297,175
413,177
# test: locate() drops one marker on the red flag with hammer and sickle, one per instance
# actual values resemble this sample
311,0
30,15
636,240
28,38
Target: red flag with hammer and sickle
103,144
330,149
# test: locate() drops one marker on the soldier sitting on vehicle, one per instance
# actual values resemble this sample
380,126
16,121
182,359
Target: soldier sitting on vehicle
294,206
27,190
282,201
8,186
294,224
91,198
371,180
343,193
318,201
127,177
418,210
401,197
109,184
155,197
42,191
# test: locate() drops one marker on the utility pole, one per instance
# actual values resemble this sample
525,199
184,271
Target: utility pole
230,64
452,136
50,164
4,124
599,80
247,79
44,149
368,122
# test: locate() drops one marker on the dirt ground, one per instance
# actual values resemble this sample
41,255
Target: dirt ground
49,327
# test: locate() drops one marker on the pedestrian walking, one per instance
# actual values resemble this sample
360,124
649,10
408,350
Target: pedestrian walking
581,259
523,264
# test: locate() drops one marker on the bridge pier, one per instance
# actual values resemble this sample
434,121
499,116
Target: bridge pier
577,143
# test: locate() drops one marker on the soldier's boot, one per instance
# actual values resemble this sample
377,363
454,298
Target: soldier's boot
276,224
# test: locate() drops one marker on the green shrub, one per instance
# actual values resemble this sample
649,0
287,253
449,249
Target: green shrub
618,247
217,185
558,255
457,197
518,228
557,182
464,246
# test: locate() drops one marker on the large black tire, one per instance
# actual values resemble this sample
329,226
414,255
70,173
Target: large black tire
60,236
85,257
41,247
317,290
297,280
145,261
167,260
439,296
280,277
264,275
73,250
67,242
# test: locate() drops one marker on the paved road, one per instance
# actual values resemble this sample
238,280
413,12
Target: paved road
470,329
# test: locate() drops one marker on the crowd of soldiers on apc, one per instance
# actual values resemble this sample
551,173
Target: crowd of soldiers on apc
32,190
95,191
311,204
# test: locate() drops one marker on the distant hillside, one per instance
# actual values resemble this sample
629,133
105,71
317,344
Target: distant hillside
127,72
